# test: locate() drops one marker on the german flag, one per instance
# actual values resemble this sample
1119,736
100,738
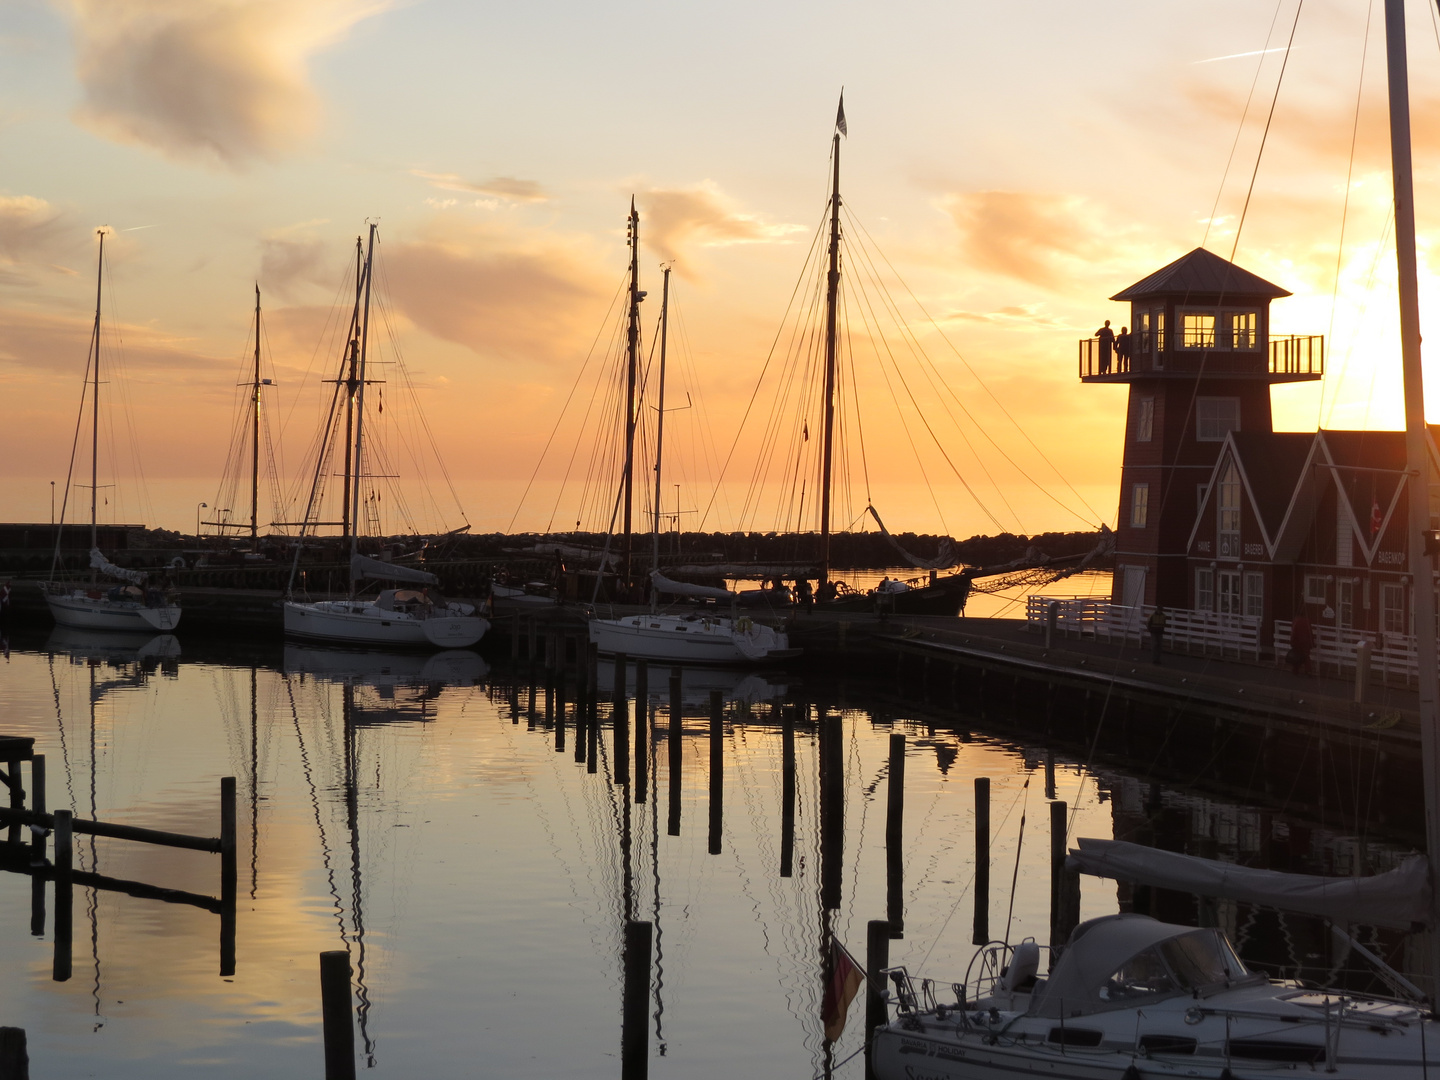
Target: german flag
844,982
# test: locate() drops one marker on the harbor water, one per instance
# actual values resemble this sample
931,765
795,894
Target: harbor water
430,815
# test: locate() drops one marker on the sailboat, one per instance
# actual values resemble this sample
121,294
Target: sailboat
1129,996
704,637
132,603
397,616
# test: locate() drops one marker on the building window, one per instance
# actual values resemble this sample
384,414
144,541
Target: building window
1145,419
1315,589
1197,330
1216,417
1229,592
1229,512
1142,333
1159,337
1392,607
1139,505
1345,602
1254,593
1244,333
1204,589
1200,492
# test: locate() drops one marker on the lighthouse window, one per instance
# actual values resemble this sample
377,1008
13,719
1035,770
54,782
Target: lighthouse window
1216,417
1145,420
1139,505
1197,330
1243,333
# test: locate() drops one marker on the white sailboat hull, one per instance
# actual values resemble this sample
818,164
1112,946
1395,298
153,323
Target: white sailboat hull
689,640
365,623
79,609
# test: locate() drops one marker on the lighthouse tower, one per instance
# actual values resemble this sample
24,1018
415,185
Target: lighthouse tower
1200,363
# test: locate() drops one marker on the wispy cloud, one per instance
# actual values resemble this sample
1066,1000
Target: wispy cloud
1031,236
503,187
219,80
678,218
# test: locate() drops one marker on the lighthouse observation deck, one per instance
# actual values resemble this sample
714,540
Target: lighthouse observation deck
1288,358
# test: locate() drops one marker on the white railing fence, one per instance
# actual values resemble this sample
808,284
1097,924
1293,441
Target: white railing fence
1391,655
1191,631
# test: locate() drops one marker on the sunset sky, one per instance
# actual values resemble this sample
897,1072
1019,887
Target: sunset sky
1017,163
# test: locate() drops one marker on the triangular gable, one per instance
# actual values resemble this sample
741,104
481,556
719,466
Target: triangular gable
1300,514
1230,452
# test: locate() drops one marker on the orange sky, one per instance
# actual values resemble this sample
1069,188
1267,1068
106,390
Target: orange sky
1015,163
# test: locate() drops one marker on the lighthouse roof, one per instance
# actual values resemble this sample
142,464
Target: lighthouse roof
1201,273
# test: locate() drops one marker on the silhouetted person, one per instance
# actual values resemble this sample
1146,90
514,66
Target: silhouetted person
1156,625
826,591
803,593
1123,346
1107,346
1302,640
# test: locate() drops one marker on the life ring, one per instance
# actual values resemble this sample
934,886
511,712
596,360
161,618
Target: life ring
744,624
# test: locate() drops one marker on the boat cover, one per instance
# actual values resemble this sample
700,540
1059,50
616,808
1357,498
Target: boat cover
684,588
361,566
109,569
1097,950
1398,898
944,560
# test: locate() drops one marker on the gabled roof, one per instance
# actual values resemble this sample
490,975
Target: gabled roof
1201,273
1272,462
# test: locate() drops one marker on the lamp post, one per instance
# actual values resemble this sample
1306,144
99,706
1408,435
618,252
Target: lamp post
198,508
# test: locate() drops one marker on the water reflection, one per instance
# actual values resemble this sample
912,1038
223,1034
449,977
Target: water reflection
481,870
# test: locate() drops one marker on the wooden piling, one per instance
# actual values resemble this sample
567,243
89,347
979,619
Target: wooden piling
64,893
592,735
894,839
14,1057
787,792
1049,774
227,876
1064,884
37,804
717,768
620,722
674,751
592,667
642,729
335,1001
17,797
635,1010
560,715
982,860
877,958
1362,671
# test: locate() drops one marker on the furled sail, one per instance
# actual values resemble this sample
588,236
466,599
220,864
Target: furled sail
1398,898
684,588
943,561
362,566
109,569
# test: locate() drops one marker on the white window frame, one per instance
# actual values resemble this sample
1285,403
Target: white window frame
1204,588
1227,592
1254,593
1316,591
1227,512
1145,420
1246,339
1211,419
1197,337
1392,607
1139,505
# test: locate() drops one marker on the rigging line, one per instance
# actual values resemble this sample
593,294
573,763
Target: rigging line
559,419
764,368
1095,515
1170,489
895,399
859,425
1345,209
74,447
1244,115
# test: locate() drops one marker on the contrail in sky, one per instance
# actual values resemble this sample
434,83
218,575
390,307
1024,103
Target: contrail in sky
1238,55
137,228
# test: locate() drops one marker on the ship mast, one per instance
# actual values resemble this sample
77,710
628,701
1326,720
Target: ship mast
832,296
1417,456
95,402
255,437
352,347
360,405
632,363
660,407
